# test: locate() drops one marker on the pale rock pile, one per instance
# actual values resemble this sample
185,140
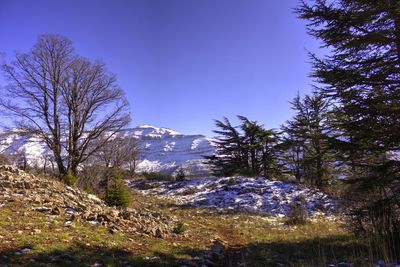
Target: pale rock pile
53,197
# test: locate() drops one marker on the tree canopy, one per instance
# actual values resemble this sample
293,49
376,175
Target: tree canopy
247,149
63,98
361,76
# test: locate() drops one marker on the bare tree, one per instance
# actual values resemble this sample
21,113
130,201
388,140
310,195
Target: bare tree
47,162
64,99
20,159
119,152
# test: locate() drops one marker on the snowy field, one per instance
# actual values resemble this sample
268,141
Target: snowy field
240,194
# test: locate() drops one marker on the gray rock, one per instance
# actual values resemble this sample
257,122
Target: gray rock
56,199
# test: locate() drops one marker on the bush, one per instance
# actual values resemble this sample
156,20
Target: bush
4,160
190,191
231,182
70,179
297,212
88,188
180,175
92,179
158,176
145,185
117,194
180,228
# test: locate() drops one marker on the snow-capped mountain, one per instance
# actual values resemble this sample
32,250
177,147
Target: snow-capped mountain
164,150
160,149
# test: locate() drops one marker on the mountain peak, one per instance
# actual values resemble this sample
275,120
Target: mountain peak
146,126
153,131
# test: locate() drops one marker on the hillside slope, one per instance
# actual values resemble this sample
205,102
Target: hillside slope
73,205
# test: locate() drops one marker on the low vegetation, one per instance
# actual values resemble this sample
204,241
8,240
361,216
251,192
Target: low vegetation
4,160
117,194
70,179
297,212
156,176
180,175
244,239
180,228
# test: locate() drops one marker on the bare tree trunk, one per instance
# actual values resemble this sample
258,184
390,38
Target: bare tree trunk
65,100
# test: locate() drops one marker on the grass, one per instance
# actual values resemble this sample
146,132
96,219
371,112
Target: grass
252,240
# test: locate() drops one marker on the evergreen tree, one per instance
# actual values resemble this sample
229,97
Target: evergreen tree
229,155
247,149
270,153
261,148
251,144
308,156
294,141
362,76
117,193
180,175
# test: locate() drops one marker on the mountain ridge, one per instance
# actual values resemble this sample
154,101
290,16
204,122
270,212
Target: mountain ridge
160,149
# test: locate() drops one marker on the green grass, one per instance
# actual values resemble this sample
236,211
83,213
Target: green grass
252,240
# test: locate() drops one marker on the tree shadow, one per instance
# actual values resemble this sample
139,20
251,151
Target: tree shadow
337,250
326,251
310,252
81,255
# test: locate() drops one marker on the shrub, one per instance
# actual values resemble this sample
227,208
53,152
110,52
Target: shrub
4,160
88,188
91,174
297,212
180,228
145,185
180,175
70,179
231,182
158,176
190,191
117,194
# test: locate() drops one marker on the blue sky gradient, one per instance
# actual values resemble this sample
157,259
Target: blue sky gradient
182,63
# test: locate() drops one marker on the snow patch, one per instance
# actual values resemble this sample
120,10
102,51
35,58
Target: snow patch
241,194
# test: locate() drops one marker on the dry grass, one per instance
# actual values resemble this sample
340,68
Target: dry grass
252,240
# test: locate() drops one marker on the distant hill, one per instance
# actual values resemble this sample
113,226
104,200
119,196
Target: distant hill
161,149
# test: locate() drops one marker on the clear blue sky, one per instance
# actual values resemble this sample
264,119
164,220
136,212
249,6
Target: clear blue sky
182,63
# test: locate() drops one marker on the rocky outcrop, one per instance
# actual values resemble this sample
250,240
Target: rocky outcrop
53,197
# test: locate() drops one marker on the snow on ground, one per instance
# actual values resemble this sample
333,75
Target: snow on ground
239,194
